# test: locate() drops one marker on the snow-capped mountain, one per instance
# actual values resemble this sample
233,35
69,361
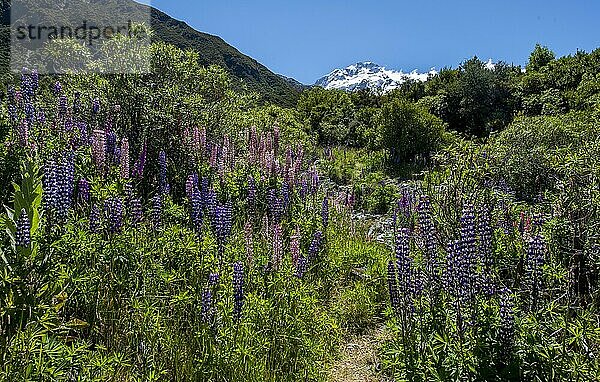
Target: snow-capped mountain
368,75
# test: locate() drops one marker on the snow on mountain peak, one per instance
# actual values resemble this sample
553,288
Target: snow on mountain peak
368,75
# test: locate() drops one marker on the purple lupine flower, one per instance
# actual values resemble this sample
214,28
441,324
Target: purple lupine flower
303,189
156,214
191,184
404,264
295,246
83,189
138,168
427,233
99,148
162,174
325,213
29,112
301,267
315,247
277,246
95,106
62,106
276,207
238,290
534,262
393,287
136,211
468,250
196,209
276,141
251,193
76,103
124,159
57,89
23,133
506,333
23,232
213,279
59,186
223,221
113,210
249,243
207,310
95,219
41,116
111,146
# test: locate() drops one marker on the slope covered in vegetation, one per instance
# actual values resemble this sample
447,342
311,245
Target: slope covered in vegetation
170,227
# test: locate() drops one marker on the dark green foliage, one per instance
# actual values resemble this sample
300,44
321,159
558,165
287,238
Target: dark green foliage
408,131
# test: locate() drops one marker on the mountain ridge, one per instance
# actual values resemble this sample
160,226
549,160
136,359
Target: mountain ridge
212,49
369,75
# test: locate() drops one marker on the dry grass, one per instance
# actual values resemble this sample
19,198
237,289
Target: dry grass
359,360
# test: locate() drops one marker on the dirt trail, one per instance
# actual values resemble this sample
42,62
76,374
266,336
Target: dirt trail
359,361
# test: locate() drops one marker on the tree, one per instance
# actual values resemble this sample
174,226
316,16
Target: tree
540,57
408,130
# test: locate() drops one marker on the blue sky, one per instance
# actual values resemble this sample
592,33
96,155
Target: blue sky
307,39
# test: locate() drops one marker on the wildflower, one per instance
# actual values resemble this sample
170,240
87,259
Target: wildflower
315,247
223,220
95,106
113,209
325,213
58,186
83,188
249,243
533,267
196,209
136,210
23,232
124,159
301,267
138,168
238,290
99,148
277,246
213,279
207,310
276,207
162,175
393,287
95,219
506,333
295,246
157,211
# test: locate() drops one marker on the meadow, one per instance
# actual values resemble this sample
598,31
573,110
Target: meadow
170,227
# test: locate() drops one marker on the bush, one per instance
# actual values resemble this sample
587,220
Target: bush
408,131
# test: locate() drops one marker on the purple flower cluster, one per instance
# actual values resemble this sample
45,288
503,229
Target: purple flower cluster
223,222
135,210
83,191
276,206
238,289
58,186
315,247
138,167
207,310
534,262
23,232
249,243
113,210
95,219
506,334
196,209
124,159
165,188
277,246
427,233
157,206
325,213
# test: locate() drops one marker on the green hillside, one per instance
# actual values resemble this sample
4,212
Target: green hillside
212,49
